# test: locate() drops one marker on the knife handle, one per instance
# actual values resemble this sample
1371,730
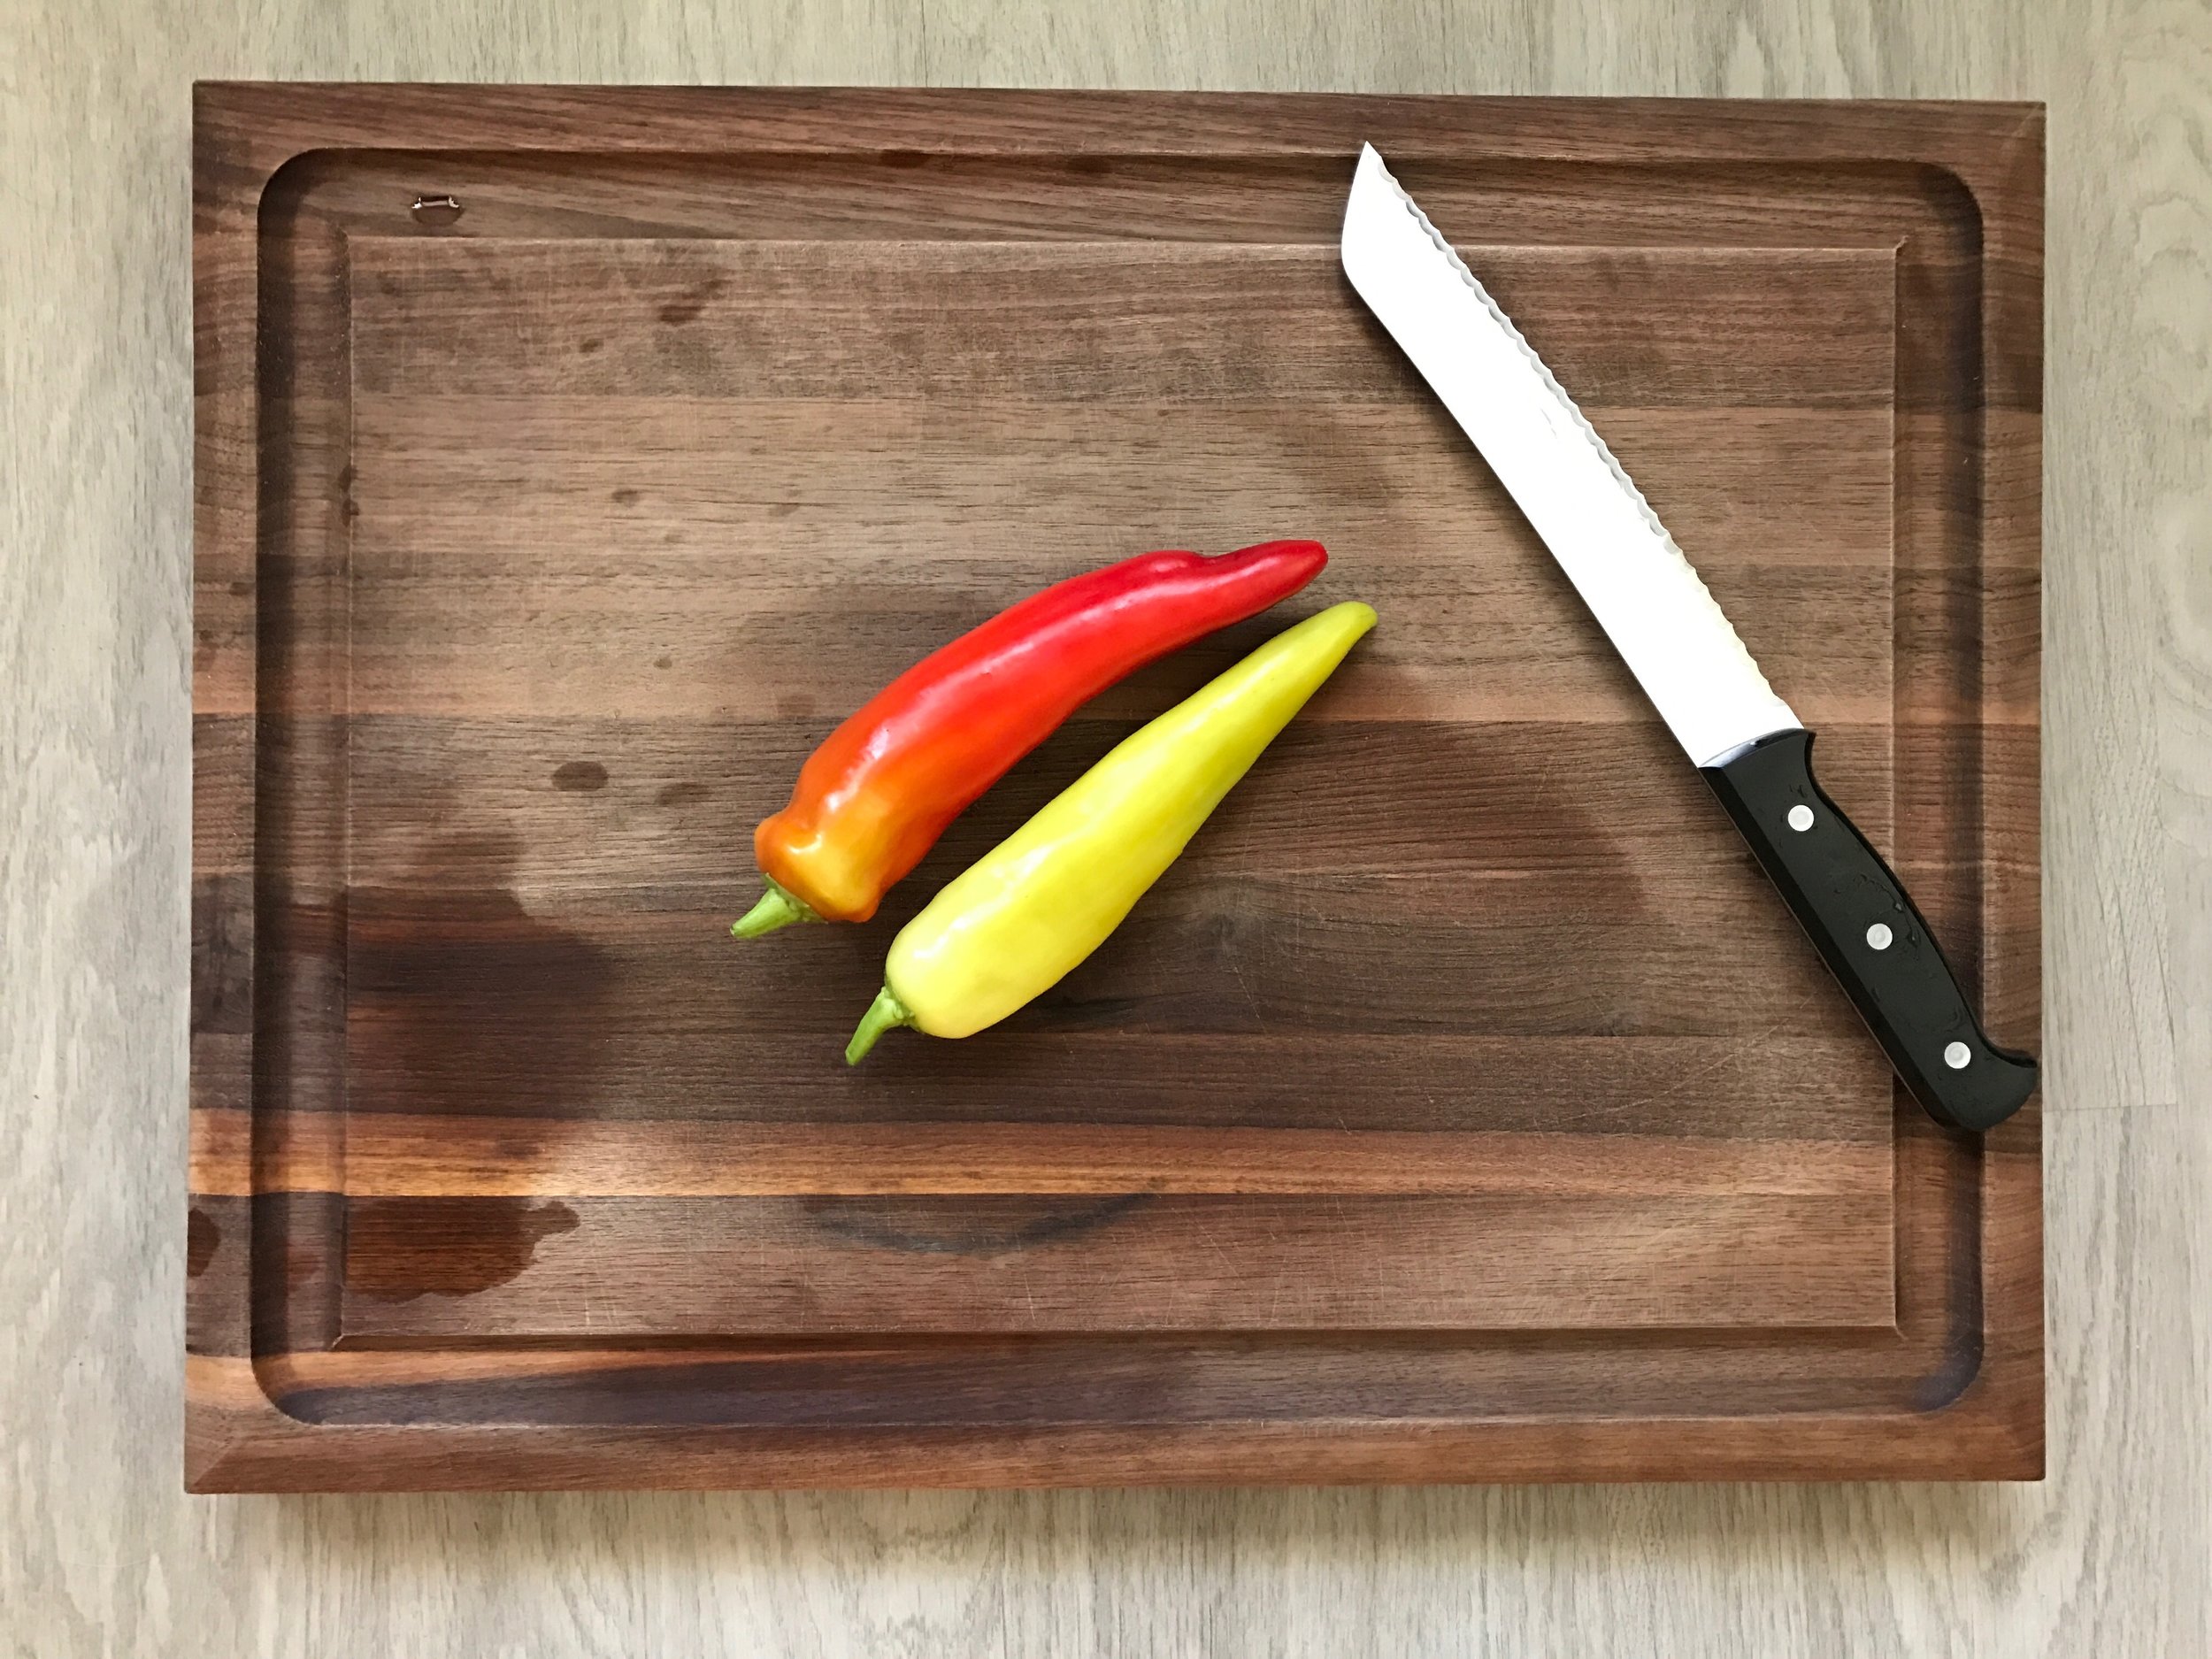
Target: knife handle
1872,938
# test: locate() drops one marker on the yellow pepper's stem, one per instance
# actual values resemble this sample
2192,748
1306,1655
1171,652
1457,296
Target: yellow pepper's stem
779,907
884,1013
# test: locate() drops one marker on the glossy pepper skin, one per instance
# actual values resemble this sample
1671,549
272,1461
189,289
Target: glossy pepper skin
1049,895
878,792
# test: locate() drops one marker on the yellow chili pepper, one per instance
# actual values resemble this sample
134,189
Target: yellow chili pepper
1012,925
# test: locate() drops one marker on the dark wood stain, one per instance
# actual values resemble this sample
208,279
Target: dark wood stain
292,1266
222,955
1608,1184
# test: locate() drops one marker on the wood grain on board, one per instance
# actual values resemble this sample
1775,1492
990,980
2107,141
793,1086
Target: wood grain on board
1463,1105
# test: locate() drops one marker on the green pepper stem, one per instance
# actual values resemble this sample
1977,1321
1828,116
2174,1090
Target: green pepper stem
779,907
883,1014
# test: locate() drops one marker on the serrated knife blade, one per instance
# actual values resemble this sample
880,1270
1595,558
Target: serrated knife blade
1635,581
1657,612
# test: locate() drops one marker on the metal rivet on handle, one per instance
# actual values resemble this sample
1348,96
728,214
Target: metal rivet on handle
1801,818
1879,935
1956,1055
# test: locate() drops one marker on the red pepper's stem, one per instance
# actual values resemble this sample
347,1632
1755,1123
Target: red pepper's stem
885,1012
779,907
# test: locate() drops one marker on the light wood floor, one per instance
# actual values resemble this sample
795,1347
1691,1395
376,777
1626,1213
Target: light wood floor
100,1551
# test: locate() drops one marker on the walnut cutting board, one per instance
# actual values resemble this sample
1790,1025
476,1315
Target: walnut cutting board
1463,1105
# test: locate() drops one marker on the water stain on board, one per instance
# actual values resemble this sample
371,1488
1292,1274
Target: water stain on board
580,776
679,793
692,305
400,1249
461,1000
994,1225
202,1239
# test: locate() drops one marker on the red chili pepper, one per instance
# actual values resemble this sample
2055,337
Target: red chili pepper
874,798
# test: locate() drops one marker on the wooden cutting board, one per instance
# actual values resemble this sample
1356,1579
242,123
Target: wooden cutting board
1465,1105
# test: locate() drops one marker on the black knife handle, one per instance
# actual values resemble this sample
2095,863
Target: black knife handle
1872,938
